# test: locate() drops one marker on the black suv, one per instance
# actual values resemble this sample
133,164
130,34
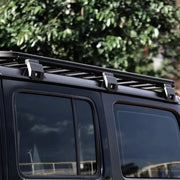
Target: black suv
66,120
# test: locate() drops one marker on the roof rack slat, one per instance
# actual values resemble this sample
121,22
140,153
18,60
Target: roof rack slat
152,88
13,64
128,82
142,85
78,74
94,78
58,71
2,61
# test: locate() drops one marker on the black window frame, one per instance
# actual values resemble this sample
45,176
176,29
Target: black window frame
143,104
96,134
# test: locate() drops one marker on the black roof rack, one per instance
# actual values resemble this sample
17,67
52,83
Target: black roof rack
56,66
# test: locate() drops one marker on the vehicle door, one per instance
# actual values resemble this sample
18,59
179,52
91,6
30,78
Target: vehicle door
53,132
144,137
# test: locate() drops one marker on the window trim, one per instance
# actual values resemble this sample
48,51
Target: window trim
76,135
97,139
145,104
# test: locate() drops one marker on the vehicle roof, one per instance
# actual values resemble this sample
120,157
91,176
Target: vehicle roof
14,64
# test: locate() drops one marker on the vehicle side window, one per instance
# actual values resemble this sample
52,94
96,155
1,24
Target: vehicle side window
149,142
86,137
48,145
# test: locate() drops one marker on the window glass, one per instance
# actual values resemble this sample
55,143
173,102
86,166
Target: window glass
47,145
45,132
149,142
86,137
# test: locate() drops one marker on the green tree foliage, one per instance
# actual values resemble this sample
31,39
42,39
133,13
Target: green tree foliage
123,34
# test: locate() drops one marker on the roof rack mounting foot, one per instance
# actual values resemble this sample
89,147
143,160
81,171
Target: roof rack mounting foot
35,70
110,81
170,93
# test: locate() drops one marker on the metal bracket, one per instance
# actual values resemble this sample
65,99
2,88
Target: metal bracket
170,93
110,81
35,70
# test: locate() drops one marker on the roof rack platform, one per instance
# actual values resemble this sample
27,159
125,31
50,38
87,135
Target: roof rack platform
109,77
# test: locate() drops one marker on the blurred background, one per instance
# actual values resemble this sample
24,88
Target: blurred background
140,36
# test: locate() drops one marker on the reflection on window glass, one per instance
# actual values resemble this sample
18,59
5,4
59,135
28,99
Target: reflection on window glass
46,136
86,137
149,142
45,132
